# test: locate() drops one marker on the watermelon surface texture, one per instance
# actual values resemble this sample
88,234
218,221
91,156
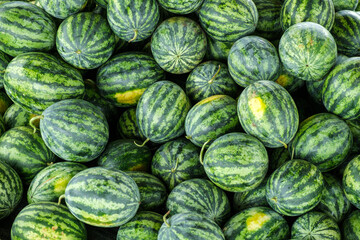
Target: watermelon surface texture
350,181
352,226
62,9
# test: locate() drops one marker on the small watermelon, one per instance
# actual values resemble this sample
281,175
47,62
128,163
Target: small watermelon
16,116
127,126
351,226
61,9
350,181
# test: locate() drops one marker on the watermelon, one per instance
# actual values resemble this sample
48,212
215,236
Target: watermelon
2,125
25,151
228,20
295,188
199,196
289,82
102,197
269,18
267,111
177,161
50,183
277,158
217,50
208,79
354,126
178,45
87,46
10,191
210,118
184,226
127,126
47,220
61,9
161,112
181,7
322,139
5,102
252,59
145,225
257,223
54,80
152,191
75,130
4,61
133,20
315,225
345,5
16,116
350,181
351,226
124,78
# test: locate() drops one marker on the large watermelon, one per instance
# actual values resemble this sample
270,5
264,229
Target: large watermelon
351,226
16,116
269,18
182,6
127,126
62,9
4,61
351,182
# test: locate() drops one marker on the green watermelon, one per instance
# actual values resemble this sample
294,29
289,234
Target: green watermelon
4,61
269,18
208,79
307,51
351,183
351,226
47,220
345,4
322,139
102,197
75,130
277,158
124,78
182,6
133,20
295,188
228,20
11,189
267,111
88,45
199,196
257,223
210,118
289,82
177,161
5,102
127,126
2,125
178,45
25,151
252,59
217,50
16,116
50,183
252,198
62,9
161,112
54,80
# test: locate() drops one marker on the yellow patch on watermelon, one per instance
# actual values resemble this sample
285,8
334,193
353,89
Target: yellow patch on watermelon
129,97
257,107
60,184
283,80
139,167
256,221
209,99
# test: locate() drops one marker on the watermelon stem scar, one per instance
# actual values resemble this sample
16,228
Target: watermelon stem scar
32,120
176,165
135,36
143,144
164,218
202,151
61,198
285,145
213,78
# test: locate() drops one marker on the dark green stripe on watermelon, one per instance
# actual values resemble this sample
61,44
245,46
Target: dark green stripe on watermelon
16,116
4,61
351,181
269,18
354,126
62,9
2,125
181,6
127,126
351,226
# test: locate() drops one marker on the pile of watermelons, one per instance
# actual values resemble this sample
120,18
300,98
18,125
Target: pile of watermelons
179,119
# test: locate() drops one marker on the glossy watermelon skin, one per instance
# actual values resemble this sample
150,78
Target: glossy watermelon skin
178,45
211,118
350,179
61,9
182,6
127,126
267,111
222,23
351,226
199,196
75,130
322,139
257,223
161,112
4,61
49,221
252,59
124,78
252,198
294,174
11,189
112,199
269,18
25,151
88,46
16,116
55,79
307,51
35,30
50,183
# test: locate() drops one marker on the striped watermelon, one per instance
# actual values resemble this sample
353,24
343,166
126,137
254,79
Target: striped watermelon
322,139
161,112
2,125
62,9
289,82
182,6
295,188
269,18
110,201
217,50
145,225
210,118
315,225
345,4
350,181
253,59
25,27
124,78
351,226
123,154
183,226
16,116
50,183
177,161
199,196
267,111
208,79
277,158
47,220
228,20
88,45
75,130
257,223
25,151
133,20
127,126
178,45
54,80
4,61
152,191
5,102
11,189
236,162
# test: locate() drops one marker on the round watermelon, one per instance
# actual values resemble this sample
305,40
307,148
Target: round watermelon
351,226
127,126
350,181
16,116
